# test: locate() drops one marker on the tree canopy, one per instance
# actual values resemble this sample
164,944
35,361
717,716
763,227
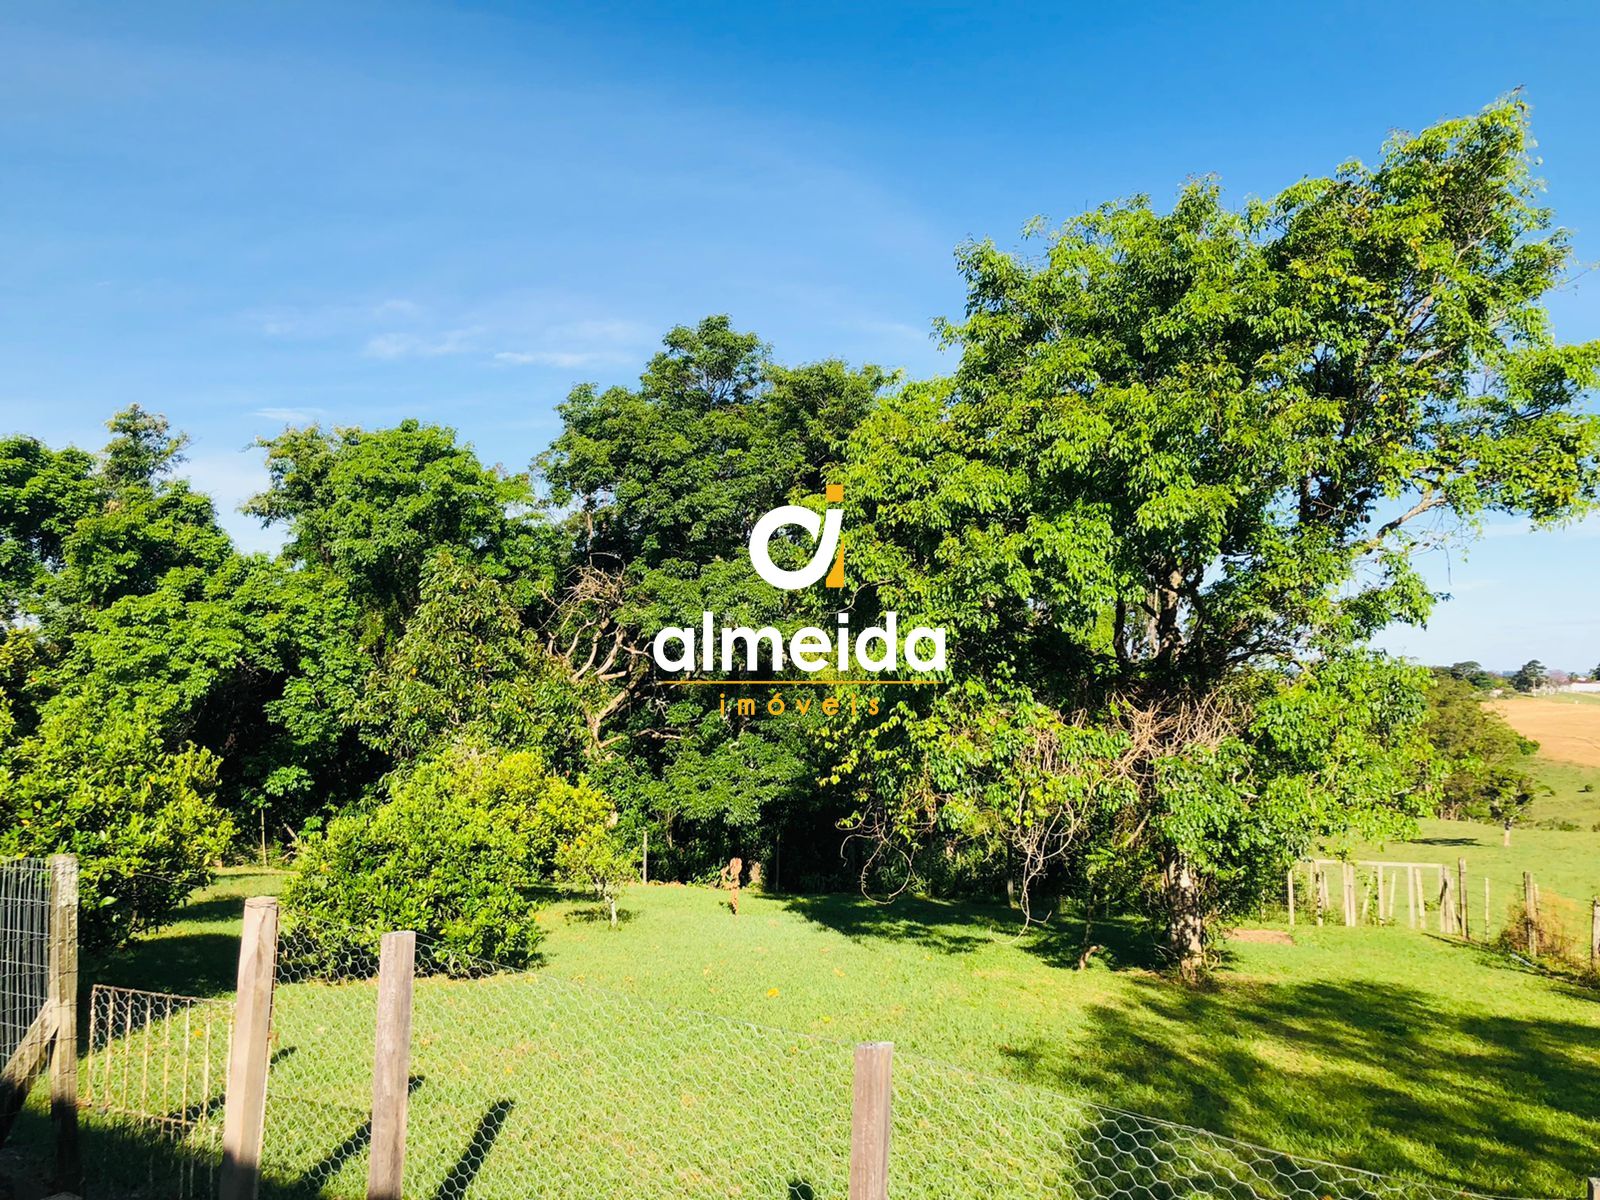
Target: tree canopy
1178,477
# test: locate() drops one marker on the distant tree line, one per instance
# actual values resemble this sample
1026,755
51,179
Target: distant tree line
1171,489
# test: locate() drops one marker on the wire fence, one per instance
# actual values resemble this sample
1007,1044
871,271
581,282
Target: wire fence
1478,904
523,1084
24,949
154,1082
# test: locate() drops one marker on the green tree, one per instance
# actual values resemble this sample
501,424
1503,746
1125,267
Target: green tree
462,850
371,506
1482,771
1530,676
98,781
1175,479
43,495
658,487
468,666
1472,672
596,861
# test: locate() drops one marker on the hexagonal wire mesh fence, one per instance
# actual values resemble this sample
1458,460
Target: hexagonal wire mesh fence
523,1084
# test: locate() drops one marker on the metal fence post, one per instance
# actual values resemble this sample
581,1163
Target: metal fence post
245,1107
869,1122
391,1066
63,998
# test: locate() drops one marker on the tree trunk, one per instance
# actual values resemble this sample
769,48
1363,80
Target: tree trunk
1186,927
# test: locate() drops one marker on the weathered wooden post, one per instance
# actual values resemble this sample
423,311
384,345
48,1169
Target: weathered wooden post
870,1121
245,1108
1530,913
1594,1187
63,1000
391,1066
1348,876
1447,903
1462,907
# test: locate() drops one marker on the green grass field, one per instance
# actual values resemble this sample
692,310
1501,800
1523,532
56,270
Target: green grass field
692,1046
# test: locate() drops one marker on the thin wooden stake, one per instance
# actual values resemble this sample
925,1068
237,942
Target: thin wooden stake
245,1107
1594,1188
1530,905
1462,906
63,998
1291,898
1594,935
869,1122
391,1066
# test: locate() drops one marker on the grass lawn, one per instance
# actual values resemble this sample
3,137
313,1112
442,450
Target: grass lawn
694,1047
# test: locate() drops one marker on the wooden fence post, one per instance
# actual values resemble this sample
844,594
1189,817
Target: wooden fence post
391,1066
1291,898
245,1108
869,1122
63,998
1594,1188
1463,909
1348,874
1530,912
1594,939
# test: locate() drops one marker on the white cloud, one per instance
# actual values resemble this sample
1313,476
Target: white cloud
1589,527
291,416
417,345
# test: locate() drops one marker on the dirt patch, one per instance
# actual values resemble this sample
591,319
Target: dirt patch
1566,730
1268,937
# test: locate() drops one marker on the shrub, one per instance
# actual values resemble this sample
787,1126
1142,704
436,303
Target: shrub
597,861
97,781
461,851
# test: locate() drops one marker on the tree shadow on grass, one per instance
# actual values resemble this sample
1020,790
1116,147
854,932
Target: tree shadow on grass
1493,1102
194,964
598,914
959,927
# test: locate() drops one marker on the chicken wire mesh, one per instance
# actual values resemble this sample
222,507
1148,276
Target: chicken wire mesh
319,1096
24,948
152,1085
523,1084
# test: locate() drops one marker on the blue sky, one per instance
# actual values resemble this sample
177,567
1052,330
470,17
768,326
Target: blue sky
245,217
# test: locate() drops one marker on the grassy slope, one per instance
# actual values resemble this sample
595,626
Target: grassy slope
1567,726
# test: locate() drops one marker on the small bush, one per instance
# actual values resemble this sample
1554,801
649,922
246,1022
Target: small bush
461,851
1556,919
97,781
